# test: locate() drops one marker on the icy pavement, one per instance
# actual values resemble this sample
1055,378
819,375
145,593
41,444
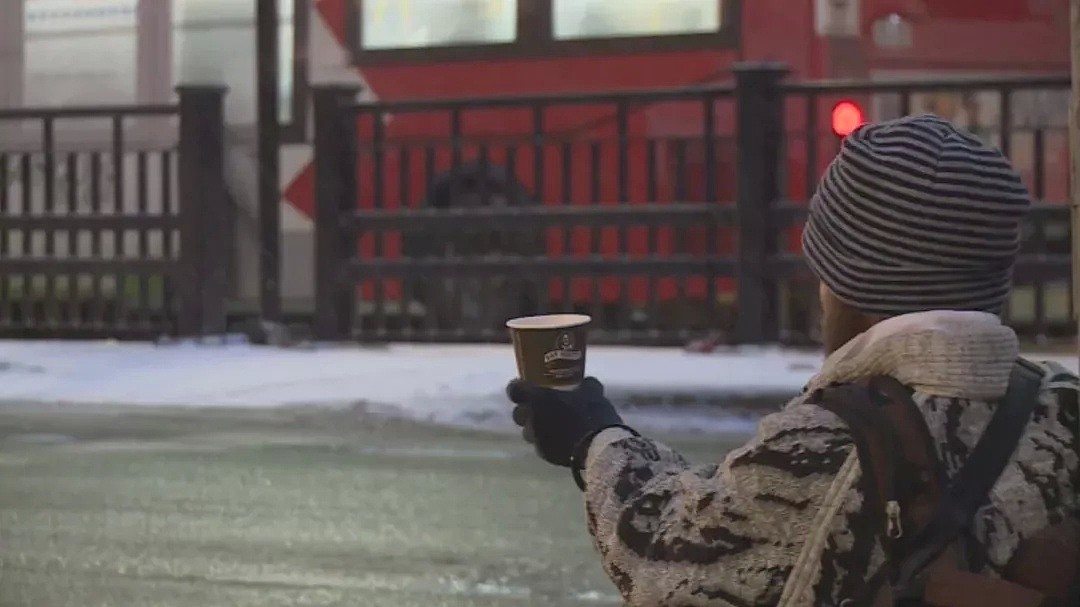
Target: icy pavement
438,383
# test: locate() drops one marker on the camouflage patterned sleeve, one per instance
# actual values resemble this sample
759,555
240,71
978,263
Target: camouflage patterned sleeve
728,534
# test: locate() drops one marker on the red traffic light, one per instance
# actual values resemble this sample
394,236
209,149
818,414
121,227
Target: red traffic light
846,117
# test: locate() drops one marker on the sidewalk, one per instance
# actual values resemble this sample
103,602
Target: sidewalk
441,383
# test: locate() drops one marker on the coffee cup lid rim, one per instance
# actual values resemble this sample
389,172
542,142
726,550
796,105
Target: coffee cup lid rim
549,321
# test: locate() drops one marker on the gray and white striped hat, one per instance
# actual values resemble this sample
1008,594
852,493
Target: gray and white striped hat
915,215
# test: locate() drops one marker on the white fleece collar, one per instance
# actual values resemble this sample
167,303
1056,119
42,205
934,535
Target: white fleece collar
941,353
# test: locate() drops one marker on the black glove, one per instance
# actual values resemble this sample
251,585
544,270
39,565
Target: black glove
562,423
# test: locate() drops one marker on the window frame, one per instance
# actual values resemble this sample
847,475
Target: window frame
536,39
295,130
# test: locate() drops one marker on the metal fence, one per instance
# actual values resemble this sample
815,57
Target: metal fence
111,219
1026,118
665,214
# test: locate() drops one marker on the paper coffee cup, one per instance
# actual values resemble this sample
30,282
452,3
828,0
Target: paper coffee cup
550,349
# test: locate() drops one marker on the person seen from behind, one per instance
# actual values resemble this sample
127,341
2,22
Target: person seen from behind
926,463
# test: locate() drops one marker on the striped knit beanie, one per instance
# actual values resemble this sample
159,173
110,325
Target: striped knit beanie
916,215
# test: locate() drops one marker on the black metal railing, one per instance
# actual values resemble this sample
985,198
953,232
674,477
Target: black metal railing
558,207
110,219
1025,117
664,214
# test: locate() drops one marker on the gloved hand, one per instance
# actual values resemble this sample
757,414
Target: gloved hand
562,423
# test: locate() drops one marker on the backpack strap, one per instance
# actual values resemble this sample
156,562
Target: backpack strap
970,489
900,458
895,449
923,476
899,462
875,441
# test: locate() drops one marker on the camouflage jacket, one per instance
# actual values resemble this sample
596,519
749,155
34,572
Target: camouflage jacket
781,520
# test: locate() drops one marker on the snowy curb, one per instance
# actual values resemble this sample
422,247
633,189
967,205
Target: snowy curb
455,384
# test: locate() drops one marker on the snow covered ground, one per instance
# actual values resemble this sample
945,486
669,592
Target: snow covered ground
440,383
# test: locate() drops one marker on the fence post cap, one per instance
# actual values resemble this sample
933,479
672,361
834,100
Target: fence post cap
338,85
335,94
219,89
775,69
337,88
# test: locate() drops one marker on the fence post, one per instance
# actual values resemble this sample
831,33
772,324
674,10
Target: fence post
205,238
759,136
335,194
1074,156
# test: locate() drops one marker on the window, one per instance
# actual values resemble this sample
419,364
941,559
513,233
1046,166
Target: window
80,52
893,31
214,41
403,24
387,32
86,52
576,19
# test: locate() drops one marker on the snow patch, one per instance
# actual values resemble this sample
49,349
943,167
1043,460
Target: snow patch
449,384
